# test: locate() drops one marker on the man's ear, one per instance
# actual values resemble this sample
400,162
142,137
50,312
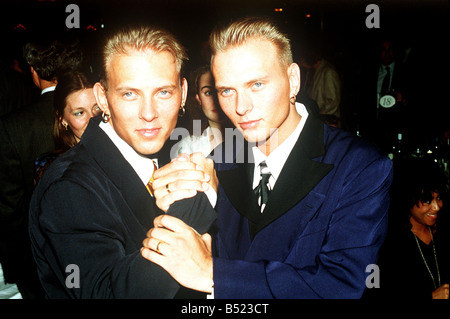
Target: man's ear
294,78
184,91
100,96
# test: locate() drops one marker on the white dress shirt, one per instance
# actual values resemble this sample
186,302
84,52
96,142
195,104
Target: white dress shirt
142,165
277,158
381,74
49,89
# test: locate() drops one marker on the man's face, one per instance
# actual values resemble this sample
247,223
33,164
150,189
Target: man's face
143,98
254,90
387,53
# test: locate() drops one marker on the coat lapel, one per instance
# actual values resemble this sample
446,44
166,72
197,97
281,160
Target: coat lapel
121,174
298,177
237,184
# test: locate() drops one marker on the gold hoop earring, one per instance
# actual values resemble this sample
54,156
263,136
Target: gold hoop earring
181,111
105,117
293,99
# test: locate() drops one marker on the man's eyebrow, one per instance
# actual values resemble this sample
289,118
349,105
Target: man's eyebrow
132,88
247,83
126,88
221,87
257,79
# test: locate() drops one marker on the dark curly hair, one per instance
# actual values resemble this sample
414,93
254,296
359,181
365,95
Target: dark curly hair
415,181
49,60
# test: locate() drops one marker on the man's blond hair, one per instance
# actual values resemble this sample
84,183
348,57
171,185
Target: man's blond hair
142,39
240,31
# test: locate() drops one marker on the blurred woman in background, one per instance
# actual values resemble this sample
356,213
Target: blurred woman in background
414,261
206,119
75,105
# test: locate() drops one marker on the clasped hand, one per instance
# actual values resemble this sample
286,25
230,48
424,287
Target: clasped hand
183,178
171,243
181,251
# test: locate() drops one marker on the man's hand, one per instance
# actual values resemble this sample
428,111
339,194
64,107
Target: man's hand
183,178
181,251
207,165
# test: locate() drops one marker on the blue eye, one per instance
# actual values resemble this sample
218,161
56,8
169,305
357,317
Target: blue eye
164,94
226,92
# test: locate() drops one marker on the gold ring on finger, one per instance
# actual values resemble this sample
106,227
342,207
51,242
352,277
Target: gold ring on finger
157,246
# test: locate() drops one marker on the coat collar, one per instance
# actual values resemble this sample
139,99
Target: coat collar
298,177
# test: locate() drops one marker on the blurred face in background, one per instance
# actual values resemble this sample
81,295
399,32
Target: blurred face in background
80,107
387,53
426,213
207,97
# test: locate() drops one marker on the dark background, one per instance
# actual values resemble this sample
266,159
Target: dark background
338,25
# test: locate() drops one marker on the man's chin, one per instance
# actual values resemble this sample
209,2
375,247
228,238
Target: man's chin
148,148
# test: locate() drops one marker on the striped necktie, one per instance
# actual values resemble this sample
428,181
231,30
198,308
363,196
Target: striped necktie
150,182
263,191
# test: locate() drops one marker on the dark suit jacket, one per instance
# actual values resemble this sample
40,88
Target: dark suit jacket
381,125
24,135
323,224
92,210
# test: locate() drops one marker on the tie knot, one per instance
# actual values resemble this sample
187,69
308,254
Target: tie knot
265,172
263,168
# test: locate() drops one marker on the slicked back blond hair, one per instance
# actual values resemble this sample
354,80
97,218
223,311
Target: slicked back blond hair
142,39
240,31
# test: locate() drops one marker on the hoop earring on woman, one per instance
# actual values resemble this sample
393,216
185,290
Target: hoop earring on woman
181,111
105,117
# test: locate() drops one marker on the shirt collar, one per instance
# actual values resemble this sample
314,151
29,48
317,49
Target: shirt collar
48,89
390,66
276,160
142,165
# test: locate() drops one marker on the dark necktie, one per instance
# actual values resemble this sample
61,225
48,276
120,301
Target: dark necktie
263,191
150,182
386,80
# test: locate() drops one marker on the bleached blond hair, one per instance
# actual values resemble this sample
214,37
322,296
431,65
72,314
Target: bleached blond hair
238,32
142,39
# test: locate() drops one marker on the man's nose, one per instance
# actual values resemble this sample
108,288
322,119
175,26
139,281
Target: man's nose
244,104
147,110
